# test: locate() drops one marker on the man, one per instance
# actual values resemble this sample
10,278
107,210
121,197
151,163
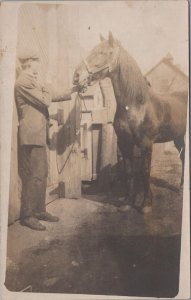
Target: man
33,98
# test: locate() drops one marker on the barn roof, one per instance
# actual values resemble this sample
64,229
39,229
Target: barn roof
168,60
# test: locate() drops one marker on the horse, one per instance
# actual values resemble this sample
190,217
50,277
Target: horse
142,116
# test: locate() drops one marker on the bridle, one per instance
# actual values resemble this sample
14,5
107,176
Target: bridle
109,66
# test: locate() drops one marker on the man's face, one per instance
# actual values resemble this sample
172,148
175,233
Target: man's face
35,67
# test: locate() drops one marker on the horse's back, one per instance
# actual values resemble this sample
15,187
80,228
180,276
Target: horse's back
171,112
174,99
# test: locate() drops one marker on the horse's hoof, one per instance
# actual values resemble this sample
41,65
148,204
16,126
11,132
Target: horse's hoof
125,208
147,209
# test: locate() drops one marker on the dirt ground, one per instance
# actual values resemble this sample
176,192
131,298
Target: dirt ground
96,249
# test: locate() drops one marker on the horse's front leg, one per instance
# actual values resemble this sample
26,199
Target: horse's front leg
130,183
146,156
130,179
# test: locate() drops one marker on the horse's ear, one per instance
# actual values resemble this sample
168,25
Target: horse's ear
111,39
101,37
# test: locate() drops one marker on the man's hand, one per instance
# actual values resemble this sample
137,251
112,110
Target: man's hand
79,89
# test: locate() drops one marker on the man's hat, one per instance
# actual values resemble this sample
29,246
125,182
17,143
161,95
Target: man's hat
28,53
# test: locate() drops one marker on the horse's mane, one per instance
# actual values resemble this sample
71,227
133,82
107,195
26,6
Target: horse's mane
133,84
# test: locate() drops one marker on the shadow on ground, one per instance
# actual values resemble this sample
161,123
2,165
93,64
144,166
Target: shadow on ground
164,184
96,249
108,265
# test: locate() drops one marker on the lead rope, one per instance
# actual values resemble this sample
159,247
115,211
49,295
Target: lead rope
77,99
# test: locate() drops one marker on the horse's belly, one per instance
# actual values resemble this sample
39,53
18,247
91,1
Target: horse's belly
162,139
169,133
173,126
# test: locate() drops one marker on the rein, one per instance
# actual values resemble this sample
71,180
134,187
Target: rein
92,71
59,170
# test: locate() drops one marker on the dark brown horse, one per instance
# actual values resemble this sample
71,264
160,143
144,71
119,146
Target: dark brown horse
142,117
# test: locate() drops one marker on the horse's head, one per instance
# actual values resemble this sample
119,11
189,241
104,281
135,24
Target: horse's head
101,61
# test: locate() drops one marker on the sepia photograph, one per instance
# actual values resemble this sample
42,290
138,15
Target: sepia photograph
95,149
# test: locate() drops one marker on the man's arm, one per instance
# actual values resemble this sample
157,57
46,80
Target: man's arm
65,95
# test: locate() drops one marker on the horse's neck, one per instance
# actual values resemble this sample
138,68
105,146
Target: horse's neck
128,81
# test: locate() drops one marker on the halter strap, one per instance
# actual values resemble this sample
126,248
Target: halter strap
92,71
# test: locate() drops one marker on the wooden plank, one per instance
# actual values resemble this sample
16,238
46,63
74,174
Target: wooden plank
52,49
15,182
99,116
86,143
108,156
96,149
109,98
52,193
68,151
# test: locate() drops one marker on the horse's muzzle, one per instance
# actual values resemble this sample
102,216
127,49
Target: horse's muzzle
83,79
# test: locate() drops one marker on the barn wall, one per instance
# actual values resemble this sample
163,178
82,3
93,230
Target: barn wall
179,84
15,183
30,32
165,79
52,49
47,28
108,151
68,146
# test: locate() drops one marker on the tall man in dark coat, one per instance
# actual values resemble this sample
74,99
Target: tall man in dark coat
33,98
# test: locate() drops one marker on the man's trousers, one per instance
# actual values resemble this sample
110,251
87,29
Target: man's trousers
33,167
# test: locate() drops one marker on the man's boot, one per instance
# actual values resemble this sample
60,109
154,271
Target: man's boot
33,223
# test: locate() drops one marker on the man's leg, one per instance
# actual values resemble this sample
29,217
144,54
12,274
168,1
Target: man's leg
30,187
24,171
40,173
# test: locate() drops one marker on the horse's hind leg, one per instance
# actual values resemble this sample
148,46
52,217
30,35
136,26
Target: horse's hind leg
180,146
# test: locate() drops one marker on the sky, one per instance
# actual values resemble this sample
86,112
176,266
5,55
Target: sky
147,29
